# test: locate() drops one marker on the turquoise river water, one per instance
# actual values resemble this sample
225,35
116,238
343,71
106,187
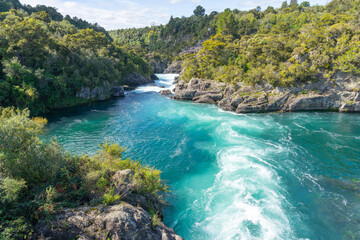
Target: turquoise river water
255,176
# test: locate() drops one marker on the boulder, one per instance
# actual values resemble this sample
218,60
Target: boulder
225,104
236,101
204,99
277,102
165,92
122,221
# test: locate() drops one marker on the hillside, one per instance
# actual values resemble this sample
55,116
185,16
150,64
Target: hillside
49,62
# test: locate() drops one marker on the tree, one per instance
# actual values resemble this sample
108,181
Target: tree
284,4
305,4
199,11
293,2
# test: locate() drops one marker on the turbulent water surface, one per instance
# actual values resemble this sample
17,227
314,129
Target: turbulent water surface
255,176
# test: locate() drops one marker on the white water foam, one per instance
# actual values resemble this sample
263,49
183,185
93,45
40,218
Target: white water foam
166,81
246,200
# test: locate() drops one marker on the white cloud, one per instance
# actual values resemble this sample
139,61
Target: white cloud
111,15
174,1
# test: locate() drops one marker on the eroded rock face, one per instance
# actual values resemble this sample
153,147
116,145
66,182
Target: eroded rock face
122,221
159,65
165,92
101,93
108,90
135,79
174,67
339,95
316,102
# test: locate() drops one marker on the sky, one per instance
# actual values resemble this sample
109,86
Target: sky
116,14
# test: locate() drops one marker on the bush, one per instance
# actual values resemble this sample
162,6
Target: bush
110,197
10,189
37,178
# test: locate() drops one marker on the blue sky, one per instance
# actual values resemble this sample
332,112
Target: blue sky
115,14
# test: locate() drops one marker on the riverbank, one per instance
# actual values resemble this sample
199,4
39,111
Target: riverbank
340,95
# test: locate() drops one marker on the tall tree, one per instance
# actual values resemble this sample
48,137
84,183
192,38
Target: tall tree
199,11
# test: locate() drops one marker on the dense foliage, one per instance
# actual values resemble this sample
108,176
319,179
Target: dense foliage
38,178
293,44
167,41
7,5
45,62
286,46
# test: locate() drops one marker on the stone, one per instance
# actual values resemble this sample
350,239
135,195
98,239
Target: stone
174,67
236,101
122,221
117,92
165,92
136,79
316,102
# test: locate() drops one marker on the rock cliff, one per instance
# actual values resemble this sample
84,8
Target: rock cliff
341,95
108,90
174,67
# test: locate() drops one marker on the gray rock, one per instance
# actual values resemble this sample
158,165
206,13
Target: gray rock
165,92
117,92
225,104
135,79
316,102
236,101
277,102
350,107
357,97
204,99
122,221
174,67
341,94
158,65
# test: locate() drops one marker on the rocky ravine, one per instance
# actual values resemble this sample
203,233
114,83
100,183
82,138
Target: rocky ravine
128,219
341,95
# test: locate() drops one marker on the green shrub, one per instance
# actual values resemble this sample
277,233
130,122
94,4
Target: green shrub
10,189
110,197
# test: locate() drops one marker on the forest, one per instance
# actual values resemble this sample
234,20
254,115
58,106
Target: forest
293,44
45,58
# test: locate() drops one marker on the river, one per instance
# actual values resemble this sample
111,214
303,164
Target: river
254,176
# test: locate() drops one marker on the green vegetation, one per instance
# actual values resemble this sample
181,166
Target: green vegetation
167,41
46,59
297,43
294,44
38,178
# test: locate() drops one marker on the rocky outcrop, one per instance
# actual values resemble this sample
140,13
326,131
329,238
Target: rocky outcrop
158,65
101,93
339,95
174,67
135,79
122,221
108,90
166,92
127,219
